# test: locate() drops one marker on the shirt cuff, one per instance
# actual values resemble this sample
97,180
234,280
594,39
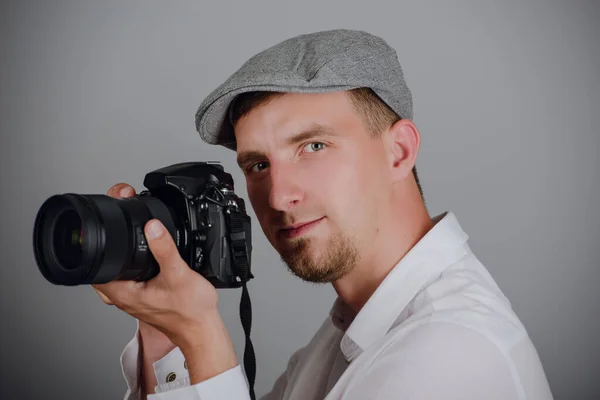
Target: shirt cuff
171,371
231,385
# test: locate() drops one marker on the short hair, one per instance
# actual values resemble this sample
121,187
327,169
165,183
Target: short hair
375,113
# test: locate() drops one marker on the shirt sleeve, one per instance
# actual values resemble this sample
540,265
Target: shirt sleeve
231,384
131,366
438,360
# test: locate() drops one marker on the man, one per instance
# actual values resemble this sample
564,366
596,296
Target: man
328,153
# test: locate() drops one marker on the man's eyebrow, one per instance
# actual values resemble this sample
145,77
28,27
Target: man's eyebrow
247,157
313,132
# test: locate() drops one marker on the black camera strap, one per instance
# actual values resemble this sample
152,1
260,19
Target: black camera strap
240,255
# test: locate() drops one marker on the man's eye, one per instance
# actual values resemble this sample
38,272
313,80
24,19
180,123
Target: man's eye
258,166
314,146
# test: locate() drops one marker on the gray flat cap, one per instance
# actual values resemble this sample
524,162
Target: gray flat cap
326,61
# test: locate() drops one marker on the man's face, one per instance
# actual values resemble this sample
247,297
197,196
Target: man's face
308,158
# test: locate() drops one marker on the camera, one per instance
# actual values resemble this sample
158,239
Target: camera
91,238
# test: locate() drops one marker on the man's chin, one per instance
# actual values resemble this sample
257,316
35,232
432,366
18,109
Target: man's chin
306,259
310,267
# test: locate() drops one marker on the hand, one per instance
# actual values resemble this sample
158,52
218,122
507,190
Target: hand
178,302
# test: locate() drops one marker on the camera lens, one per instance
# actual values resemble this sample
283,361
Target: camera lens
85,239
68,239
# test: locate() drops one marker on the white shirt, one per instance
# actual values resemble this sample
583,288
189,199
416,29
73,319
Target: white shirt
438,327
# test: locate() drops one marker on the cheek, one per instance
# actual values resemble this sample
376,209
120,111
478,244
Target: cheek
339,189
258,200
254,195
359,193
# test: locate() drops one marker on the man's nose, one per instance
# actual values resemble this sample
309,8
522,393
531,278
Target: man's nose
285,191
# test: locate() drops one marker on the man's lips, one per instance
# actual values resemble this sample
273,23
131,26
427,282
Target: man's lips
299,229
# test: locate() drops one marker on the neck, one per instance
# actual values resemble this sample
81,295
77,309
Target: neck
393,240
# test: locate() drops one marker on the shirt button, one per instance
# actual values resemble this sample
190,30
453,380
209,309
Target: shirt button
185,364
171,377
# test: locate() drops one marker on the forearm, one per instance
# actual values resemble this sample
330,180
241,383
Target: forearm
154,346
208,349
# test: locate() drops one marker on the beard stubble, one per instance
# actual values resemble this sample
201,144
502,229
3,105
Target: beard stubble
337,260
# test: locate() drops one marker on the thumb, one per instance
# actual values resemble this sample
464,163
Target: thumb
163,249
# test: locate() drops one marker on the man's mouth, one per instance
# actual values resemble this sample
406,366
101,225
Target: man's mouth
299,229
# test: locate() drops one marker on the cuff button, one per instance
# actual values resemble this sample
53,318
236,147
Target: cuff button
171,377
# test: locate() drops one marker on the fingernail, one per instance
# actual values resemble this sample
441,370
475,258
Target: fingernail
126,191
154,229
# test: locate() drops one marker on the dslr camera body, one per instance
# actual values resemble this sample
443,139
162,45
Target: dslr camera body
87,239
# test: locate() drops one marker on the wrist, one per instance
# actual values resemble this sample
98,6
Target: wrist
155,344
208,349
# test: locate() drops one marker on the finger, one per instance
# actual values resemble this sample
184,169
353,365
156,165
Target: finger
164,250
120,293
104,298
121,190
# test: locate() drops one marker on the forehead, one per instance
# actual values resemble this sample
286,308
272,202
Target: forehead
286,115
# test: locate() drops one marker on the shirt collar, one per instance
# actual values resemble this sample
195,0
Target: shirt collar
441,247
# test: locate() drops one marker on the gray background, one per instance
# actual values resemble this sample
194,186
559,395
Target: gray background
506,97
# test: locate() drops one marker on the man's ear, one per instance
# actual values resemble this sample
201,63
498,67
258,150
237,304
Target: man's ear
402,141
